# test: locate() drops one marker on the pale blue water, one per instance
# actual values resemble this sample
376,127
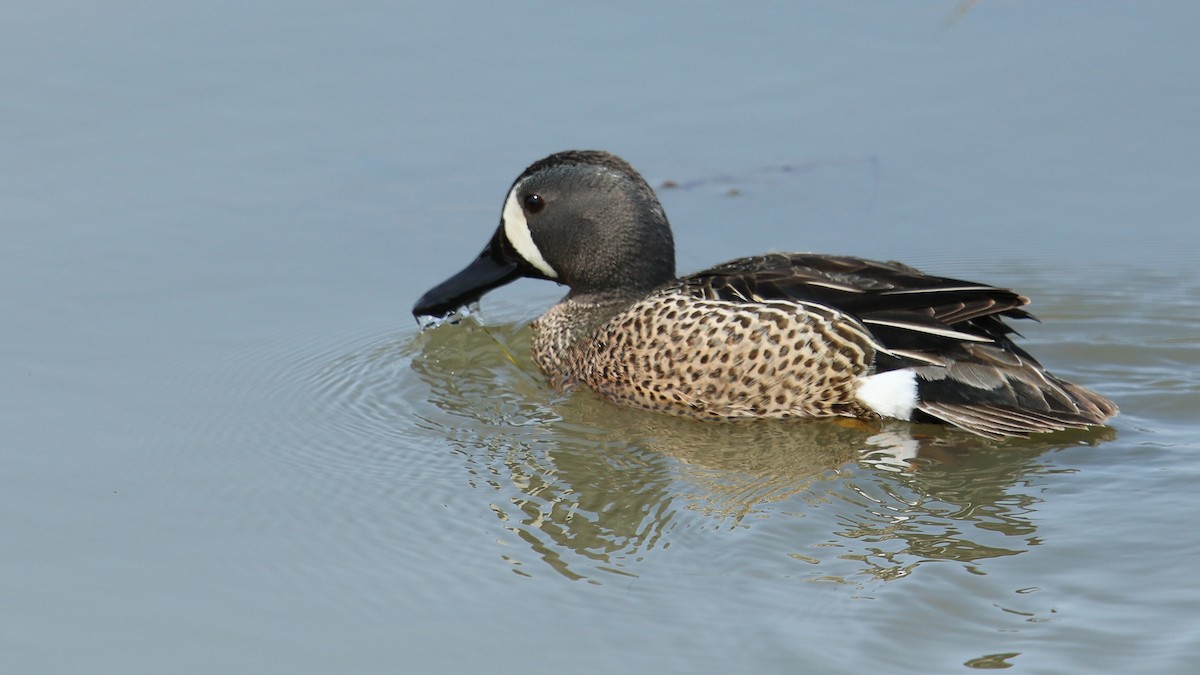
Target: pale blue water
227,448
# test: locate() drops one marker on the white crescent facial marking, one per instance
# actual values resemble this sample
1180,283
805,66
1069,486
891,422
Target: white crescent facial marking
516,228
891,394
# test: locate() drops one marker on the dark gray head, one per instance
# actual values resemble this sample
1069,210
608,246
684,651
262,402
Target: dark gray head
583,218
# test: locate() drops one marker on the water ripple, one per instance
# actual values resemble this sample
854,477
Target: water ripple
457,424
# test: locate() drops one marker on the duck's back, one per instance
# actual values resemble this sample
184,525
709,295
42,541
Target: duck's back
801,335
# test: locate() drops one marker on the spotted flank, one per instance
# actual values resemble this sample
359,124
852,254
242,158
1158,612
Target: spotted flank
773,336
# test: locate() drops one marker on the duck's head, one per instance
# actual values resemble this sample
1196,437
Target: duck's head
583,218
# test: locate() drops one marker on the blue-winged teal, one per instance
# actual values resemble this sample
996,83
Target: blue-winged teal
774,336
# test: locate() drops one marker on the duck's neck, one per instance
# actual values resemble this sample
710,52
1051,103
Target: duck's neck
564,325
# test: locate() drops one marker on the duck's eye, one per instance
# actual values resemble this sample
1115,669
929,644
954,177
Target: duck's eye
534,203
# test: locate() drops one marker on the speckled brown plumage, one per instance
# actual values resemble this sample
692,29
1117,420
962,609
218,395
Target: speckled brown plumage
712,359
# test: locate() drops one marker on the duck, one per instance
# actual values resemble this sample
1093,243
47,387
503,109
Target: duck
773,336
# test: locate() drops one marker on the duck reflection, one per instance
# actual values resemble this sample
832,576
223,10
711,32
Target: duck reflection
590,488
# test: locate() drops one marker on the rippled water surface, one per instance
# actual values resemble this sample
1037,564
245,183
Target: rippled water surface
228,447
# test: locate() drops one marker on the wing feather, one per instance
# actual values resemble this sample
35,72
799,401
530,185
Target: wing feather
952,333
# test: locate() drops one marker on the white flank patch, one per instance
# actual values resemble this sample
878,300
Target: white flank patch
891,394
517,230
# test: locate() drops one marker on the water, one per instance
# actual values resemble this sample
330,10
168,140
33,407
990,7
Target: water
228,448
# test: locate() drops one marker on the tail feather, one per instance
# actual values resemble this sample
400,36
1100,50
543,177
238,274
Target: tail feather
1011,397
995,422
1091,405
